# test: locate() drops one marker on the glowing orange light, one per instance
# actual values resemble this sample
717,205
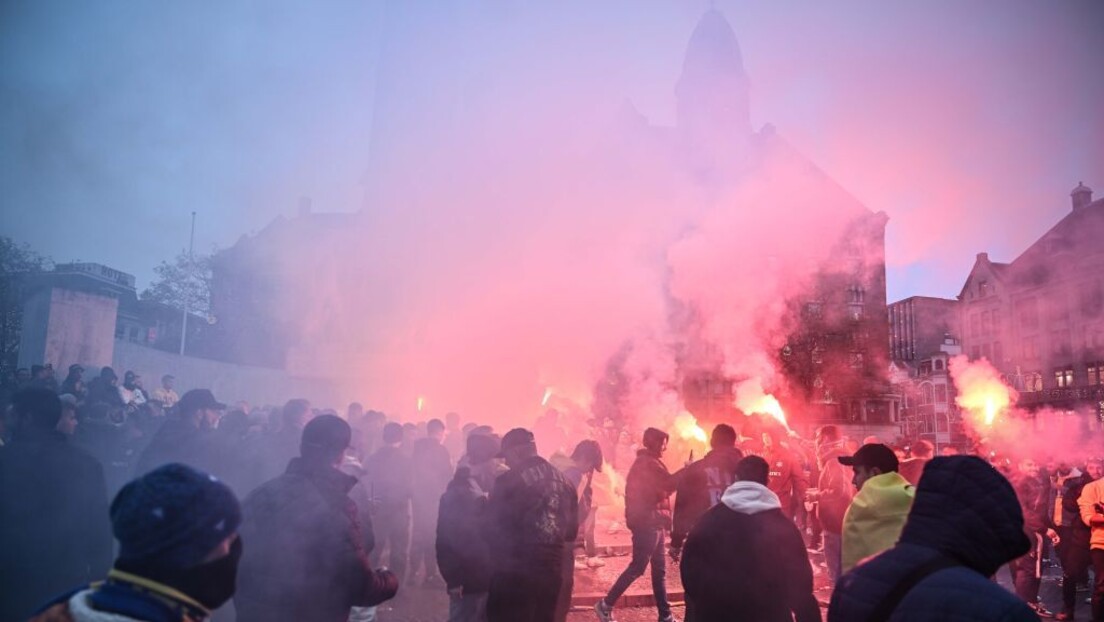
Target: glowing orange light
687,428
547,396
751,399
421,403
981,391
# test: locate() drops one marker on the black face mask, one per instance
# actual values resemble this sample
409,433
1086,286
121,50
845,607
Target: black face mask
213,583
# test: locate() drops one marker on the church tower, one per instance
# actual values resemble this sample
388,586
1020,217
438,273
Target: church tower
712,92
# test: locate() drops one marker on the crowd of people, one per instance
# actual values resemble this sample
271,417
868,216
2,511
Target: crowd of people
297,513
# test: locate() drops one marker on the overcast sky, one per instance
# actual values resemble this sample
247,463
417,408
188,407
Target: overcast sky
967,122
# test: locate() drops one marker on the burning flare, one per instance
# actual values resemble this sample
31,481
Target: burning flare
981,392
547,396
421,403
751,399
687,428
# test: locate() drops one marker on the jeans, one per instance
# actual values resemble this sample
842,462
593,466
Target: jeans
833,555
1025,572
648,546
467,607
391,527
587,529
1098,584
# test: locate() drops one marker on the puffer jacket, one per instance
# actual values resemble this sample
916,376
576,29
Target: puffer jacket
964,510
648,489
462,554
304,559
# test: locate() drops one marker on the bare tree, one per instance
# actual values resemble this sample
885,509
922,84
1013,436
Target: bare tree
183,284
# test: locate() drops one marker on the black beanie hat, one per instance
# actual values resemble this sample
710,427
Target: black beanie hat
173,516
326,436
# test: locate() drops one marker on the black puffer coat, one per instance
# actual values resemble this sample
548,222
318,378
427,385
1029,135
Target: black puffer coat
462,554
304,557
964,510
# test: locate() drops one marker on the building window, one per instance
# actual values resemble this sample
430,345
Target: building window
998,353
975,353
996,320
1092,300
941,394
986,322
1028,310
1096,373
1033,381
1030,348
985,353
974,325
813,309
1063,378
925,394
983,288
938,365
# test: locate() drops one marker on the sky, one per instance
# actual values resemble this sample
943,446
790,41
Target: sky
967,123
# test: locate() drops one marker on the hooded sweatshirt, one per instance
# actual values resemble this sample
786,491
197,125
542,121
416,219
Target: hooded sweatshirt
875,518
966,511
745,555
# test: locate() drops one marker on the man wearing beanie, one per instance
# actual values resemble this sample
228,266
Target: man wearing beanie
648,516
178,553
306,559
390,484
532,516
54,533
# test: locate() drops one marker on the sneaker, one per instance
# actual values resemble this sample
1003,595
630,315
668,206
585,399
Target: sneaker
594,562
668,618
1064,616
1041,611
580,564
604,611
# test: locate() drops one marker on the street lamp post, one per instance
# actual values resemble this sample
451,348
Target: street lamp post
191,260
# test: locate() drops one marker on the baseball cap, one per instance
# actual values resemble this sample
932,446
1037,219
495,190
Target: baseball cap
517,437
874,455
199,399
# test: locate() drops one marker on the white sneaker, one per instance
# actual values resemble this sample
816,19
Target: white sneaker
594,562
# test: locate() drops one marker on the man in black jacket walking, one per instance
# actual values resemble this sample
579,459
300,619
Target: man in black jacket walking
305,561
648,488
745,560
533,515
703,482
462,554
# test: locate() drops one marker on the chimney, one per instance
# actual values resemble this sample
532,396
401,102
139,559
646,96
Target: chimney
1082,196
983,257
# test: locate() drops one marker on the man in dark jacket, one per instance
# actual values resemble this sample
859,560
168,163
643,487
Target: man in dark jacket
390,487
1038,522
184,437
744,559
533,514
432,470
964,524
1076,536
54,531
648,516
462,553
305,559
703,482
